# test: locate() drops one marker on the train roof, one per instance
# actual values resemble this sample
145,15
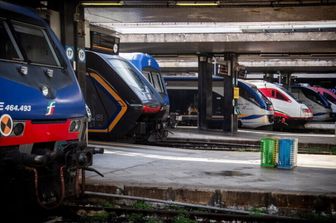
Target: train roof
142,60
194,78
324,90
16,12
188,78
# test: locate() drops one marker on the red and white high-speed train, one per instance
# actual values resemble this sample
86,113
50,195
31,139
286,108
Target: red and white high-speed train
288,111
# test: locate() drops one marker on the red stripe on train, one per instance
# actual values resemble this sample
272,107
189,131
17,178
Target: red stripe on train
46,132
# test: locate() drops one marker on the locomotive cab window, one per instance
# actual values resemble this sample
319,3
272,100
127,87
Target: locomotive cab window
244,94
259,93
127,73
30,37
8,48
280,96
312,95
147,74
329,97
157,82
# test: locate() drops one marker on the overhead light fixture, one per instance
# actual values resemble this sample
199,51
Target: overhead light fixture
197,3
107,3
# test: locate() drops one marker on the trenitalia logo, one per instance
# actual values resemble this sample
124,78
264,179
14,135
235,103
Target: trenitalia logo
51,108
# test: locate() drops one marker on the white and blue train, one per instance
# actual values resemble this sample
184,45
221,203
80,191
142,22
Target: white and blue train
255,110
316,102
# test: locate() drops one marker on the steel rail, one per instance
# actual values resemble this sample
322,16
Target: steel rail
220,213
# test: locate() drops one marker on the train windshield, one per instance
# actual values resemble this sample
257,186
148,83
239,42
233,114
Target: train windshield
255,89
128,73
291,94
31,36
314,96
8,48
330,98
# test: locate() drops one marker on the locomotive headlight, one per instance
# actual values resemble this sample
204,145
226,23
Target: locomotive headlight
18,128
75,125
88,112
45,90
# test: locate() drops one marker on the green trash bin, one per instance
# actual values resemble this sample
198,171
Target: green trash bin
269,152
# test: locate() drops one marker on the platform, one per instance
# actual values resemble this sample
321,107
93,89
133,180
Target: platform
220,178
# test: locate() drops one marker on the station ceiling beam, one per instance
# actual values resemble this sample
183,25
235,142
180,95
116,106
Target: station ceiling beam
242,43
257,63
205,3
210,14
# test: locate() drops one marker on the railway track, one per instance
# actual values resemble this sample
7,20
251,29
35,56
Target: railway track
195,144
209,144
154,210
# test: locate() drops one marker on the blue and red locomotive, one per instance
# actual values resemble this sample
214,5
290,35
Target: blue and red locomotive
43,144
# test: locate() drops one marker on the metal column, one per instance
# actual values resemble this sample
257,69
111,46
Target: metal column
204,91
230,104
80,46
73,37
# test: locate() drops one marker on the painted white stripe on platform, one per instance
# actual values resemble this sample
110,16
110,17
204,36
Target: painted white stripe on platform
179,158
304,160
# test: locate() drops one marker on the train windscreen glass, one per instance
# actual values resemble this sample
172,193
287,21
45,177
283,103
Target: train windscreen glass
30,37
330,98
7,46
126,72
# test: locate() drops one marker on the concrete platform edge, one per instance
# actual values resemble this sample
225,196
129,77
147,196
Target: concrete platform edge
279,203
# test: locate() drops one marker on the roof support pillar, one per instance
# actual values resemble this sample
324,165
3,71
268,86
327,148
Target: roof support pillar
204,91
230,103
80,47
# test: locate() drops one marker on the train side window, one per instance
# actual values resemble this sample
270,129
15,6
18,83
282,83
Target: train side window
8,48
281,96
273,94
157,82
36,44
148,76
266,92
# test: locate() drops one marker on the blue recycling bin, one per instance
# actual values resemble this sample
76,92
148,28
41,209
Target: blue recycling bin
287,157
